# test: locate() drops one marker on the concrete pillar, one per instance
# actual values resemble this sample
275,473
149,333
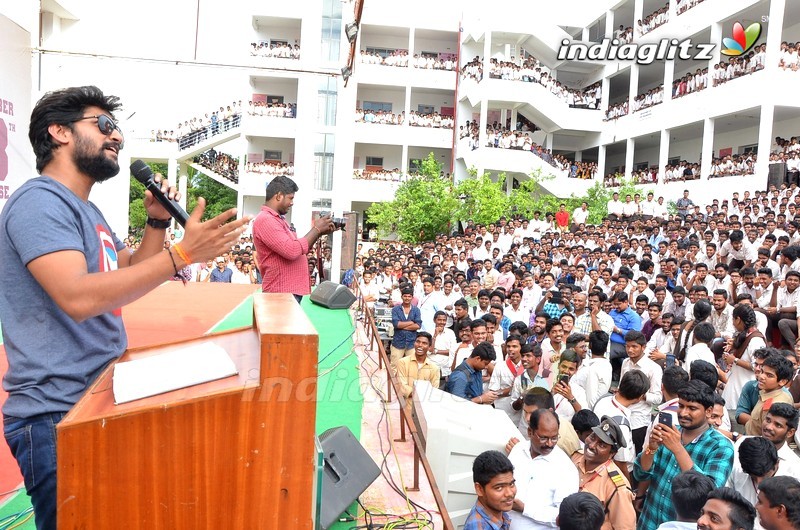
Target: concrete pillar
610,27
707,149
663,154
504,117
716,38
482,138
336,255
777,10
407,104
179,176
669,75
548,141
605,88
578,156
513,118
411,48
765,136
509,184
404,160
172,173
487,52
630,149
183,187
634,87
601,161
671,11
585,34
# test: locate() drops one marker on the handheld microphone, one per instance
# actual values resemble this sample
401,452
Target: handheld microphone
144,174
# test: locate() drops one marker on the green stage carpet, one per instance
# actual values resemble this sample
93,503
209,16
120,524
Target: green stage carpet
339,397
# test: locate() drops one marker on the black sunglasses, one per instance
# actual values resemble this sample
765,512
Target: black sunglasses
105,124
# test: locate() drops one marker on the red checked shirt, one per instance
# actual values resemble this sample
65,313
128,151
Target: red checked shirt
281,254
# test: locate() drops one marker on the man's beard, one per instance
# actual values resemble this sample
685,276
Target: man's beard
98,165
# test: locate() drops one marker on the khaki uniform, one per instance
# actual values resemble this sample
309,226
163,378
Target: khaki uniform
608,484
408,371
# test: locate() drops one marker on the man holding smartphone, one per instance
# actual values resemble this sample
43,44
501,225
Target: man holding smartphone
671,450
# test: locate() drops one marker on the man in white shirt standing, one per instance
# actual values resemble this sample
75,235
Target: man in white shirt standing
648,207
593,379
429,303
635,343
615,207
580,215
538,499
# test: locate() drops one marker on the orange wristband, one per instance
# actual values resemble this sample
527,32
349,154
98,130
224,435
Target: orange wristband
182,253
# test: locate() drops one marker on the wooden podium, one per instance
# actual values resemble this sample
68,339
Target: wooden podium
234,453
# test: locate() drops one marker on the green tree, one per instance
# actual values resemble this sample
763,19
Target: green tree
423,206
482,199
137,216
598,196
218,196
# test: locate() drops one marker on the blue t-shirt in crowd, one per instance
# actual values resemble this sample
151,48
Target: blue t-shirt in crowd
404,339
51,357
223,275
465,381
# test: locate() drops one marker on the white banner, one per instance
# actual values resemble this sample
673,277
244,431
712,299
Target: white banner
16,156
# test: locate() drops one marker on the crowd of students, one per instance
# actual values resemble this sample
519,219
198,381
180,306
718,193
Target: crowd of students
278,50
272,110
414,118
392,175
271,168
682,6
655,19
531,70
402,59
222,164
191,132
654,96
608,344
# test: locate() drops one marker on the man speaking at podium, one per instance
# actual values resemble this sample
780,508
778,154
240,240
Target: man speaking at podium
66,276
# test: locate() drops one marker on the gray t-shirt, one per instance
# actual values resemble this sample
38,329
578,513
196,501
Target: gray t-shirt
52,358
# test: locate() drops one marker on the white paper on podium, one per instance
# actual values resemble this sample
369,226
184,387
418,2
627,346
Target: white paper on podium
181,368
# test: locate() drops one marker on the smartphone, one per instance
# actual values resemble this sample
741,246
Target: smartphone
564,379
665,418
670,360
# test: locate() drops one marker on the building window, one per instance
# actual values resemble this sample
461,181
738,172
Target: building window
377,106
326,102
331,29
272,155
425,109
414,165
323,162
747,149
674,161
322,204
375,161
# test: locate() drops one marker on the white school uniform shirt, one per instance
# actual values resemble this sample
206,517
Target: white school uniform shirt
542,498
640,412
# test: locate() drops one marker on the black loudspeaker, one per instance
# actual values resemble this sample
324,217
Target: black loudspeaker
777,175
348,471
333,296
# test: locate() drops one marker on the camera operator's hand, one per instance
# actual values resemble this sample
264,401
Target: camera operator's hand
324,225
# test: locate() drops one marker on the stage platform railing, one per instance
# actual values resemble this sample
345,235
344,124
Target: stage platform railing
375,343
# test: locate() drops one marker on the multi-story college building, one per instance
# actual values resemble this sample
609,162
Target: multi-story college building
548,87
